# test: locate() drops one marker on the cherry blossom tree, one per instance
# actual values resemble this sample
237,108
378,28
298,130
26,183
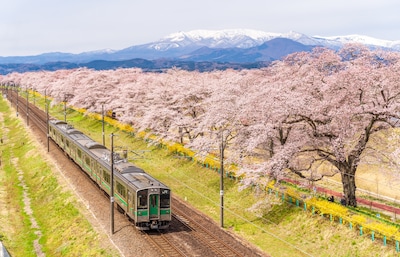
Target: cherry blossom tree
312,114
334,103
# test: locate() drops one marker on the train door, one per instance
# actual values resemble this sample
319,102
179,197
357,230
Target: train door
73,151
99,174
93,169
63,143
96,172
129,202
153,206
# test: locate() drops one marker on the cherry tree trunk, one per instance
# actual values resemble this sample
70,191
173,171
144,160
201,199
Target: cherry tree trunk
349,186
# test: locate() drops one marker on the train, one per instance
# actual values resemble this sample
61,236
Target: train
145,200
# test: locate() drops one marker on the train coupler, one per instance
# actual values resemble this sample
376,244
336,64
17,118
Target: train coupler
154,224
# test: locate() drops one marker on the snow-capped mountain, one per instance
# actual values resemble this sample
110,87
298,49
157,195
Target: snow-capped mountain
182,44
338,41
246,38
239,46
240,38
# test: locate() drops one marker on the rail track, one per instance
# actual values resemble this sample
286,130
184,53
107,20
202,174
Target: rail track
193,226
32,114
215,241
190,233
190,224
164,244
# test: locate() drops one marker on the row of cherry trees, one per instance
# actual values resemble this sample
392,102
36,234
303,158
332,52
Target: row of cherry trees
311,114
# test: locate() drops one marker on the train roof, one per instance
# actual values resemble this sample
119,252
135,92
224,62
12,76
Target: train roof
97,150
78,136
143,181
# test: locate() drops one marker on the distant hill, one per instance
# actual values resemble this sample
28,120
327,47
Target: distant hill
271,50
146,65
201,50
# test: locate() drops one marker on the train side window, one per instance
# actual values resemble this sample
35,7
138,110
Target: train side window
87,161
165,198
106,176
142,199
121,190
79,154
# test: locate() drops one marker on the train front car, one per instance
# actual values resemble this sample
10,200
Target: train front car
153,208
143,198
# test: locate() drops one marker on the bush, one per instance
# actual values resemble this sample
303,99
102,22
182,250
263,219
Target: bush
383,229
328,207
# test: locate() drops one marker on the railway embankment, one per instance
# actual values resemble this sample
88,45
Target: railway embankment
39,215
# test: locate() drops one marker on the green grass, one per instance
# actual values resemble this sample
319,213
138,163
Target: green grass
65,231
280,229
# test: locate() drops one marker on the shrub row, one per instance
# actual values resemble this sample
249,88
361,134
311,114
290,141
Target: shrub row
337,212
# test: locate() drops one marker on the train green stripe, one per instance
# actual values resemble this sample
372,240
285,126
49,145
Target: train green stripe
105,185
164,212
121,200
141,213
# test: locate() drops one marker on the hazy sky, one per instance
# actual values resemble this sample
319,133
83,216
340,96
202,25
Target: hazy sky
30,27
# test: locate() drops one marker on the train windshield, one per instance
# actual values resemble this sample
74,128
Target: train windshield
165,198
142,199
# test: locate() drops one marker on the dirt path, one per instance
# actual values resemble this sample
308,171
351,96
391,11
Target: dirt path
380,206
28,210
25,192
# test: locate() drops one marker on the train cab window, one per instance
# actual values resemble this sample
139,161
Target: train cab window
165,198
106,176
121,190
142,199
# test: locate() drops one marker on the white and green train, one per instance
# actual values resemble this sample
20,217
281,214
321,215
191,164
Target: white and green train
144,199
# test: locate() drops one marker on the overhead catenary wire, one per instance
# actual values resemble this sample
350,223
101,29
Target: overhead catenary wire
240,217
233,212
379,183
356,176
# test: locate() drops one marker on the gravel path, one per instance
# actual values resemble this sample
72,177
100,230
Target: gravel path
28,210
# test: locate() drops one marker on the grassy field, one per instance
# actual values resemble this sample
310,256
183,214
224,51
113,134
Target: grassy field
55,212
279,229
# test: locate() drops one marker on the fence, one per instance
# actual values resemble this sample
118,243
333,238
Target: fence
375,227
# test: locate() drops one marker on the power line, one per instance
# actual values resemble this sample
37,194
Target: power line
242,218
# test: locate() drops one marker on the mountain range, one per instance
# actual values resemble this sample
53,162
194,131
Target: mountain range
194,50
